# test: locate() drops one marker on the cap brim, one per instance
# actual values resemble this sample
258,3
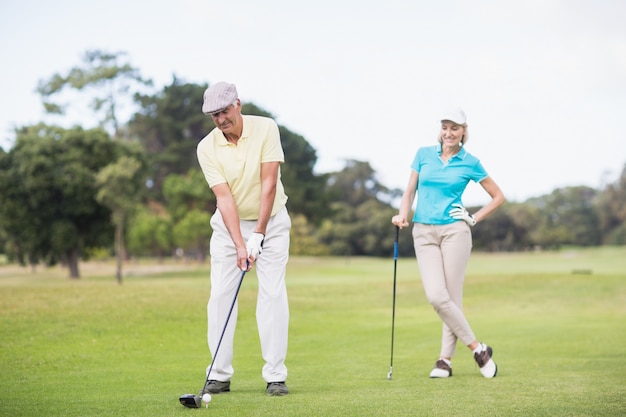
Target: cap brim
214,112
451,119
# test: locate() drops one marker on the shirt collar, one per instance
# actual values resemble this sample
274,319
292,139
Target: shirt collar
245,132
460,155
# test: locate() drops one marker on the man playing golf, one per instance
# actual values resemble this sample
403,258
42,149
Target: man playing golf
241,160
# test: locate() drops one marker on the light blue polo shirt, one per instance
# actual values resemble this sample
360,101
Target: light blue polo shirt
439,184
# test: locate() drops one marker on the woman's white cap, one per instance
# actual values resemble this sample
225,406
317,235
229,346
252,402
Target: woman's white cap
455,115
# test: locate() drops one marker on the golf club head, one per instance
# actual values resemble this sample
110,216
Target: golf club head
190,400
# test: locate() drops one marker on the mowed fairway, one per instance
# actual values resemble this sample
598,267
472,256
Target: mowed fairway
556,321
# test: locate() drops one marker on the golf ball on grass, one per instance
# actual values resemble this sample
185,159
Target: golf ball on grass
206,398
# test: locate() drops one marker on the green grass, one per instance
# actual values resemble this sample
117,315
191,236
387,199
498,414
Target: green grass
92,348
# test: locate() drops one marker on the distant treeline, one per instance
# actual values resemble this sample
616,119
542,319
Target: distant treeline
135,188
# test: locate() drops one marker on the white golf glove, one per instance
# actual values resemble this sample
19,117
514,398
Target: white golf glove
255,245
460,213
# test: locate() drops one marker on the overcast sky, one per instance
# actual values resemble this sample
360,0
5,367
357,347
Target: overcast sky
543,82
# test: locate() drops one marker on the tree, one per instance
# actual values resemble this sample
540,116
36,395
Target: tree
119,186
193,233
47,194
304,189
190,203
169,125
150,232
357,183
359,222
500,231
568,217
611,208
183,193
376,233
109,80
304,240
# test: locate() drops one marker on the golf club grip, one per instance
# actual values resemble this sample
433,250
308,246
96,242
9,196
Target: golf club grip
395,243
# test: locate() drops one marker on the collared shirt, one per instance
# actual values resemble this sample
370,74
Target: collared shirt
239,165
439,184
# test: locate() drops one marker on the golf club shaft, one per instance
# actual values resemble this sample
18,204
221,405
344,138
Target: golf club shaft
393,309
219,343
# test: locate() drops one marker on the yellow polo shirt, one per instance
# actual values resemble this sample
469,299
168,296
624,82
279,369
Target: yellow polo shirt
239,165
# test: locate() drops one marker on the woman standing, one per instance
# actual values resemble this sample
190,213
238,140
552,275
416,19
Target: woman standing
442,235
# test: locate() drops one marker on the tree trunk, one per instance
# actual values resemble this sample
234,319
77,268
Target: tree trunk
119,248
202,254
72,264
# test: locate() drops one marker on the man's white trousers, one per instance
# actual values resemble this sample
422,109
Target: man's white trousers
272,310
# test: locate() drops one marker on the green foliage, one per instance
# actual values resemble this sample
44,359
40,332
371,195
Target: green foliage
47,182
3,239
359,222
610,207
304,239
356,183
189,202
119,185
150,233
109,80
568,217
304,188
193,233
72,350
187,192
169,126
48,206
98,254
504,230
